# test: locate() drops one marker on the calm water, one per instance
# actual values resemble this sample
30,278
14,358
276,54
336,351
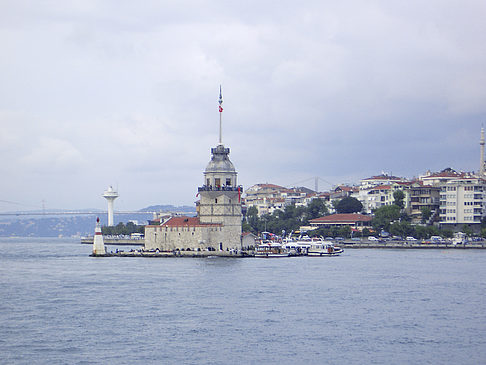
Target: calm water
58,306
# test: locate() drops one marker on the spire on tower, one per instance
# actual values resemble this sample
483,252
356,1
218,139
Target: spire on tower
220,116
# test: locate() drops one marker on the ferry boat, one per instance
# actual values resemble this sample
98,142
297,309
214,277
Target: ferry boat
272,249
324,248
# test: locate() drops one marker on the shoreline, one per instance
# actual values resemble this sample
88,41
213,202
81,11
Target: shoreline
244,254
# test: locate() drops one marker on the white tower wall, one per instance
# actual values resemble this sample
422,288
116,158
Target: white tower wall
98,244
110,195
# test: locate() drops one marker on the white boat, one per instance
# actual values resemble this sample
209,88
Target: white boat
271,249
324,248
295,247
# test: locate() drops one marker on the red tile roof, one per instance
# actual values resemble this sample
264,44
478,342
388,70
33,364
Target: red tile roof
342,218
272,186
383,177
381,187
445,174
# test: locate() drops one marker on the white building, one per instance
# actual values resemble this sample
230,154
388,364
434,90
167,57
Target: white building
382,179
462,201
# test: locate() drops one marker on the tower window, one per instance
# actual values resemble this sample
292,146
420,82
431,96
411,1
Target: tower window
207,182
228,182
217,182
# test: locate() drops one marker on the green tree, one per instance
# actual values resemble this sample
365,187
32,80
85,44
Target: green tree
402,229
245,227
426,213
447,233
383,216
317,208
426,231
349,205
399,197
467,230
252,219
344,231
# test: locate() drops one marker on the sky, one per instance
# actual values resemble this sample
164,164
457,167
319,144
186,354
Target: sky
124,93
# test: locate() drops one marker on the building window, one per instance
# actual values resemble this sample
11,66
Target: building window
217,182
228,182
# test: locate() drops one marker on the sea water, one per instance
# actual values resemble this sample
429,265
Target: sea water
60,306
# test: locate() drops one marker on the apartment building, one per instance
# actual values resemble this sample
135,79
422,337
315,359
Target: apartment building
462,201
424,196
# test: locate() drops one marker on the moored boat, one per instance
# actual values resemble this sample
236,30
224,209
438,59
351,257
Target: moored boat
271,249
324,248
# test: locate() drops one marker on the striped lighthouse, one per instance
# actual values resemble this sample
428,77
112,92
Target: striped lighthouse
98,245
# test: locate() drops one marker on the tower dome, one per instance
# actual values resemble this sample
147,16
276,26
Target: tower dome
220,161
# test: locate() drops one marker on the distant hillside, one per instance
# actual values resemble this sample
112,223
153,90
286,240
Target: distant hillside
62,226
36,225
169,208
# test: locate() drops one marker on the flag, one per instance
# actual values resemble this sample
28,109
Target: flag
220,109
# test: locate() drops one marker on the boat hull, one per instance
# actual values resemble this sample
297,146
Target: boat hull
265,255
324,254
335,252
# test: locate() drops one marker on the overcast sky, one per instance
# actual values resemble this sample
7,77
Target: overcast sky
124,93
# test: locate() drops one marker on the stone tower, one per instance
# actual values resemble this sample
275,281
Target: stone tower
220,195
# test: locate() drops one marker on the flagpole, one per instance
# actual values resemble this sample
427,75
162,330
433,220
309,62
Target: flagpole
220,116
220,128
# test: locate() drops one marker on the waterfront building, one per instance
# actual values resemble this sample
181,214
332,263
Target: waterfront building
424,197
269,197
217,225
462,202
375,197
354,220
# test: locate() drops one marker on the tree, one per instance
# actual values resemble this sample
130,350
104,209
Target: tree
447,233
365,232
252,219
467,230
349,205
384,216
398,197
345,231
426,213
316,208
402,229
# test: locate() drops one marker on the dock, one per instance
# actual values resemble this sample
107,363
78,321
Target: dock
161,254
115,241
408,245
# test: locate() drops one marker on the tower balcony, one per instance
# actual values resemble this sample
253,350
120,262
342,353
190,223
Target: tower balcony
220,188
220,150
